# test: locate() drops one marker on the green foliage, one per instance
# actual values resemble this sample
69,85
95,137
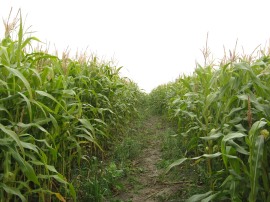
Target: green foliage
171,146
158,99
221,113
95,181
127,149
54,114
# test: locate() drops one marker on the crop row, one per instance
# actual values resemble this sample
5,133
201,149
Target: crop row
222,115
54,114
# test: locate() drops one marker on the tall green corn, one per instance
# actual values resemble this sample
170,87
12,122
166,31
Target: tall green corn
54,114
223,113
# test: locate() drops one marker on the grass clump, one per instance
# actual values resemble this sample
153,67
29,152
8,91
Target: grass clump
96,181
127,149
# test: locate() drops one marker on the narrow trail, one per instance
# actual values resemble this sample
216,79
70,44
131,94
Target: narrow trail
151,187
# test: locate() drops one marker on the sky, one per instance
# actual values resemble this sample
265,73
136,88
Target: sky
155,41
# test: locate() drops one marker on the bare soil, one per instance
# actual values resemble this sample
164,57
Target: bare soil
147,185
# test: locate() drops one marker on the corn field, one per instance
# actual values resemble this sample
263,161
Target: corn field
222,115
60,114
54,114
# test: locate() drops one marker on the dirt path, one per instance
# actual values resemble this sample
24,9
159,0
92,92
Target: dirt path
150,188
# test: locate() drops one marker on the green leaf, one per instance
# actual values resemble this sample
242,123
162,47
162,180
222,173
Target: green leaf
6,141
233,110
208,156
176,163
232,136
240,128
27,41
89,137
255,167
30,146
50,97
3,50
212,97
238,148
29,125
13,135
212,136
69,92
72,191
87,125
199,197
257,125
51,168
235,120
211,197
212,155
55,125
26,168
5,110
23,79
13,191
28,106
224,150
57,177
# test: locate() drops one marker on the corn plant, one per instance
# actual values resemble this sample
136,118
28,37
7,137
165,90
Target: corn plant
223,114
54,114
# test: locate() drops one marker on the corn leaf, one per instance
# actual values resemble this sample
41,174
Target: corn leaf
255,167
13,135
26,168
13,191
22,78
199,197
176,163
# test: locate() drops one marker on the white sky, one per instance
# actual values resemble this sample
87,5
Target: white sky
154,40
